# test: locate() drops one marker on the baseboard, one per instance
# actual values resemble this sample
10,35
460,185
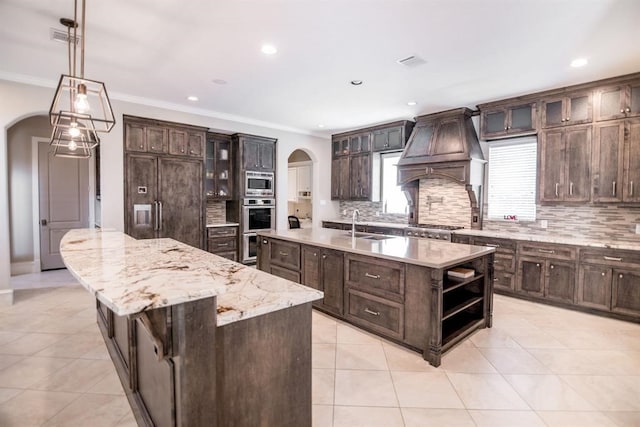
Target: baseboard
6,297
26,267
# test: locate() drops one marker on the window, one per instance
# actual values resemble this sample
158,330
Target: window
512,179
393,200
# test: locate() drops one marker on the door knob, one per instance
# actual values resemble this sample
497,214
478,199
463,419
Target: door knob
43,222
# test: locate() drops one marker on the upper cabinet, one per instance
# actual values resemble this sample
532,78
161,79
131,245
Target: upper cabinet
258,154
157,137
567,109
565,165
218,167
146,138
360,143
340,146
183,142
392,137
508,120
618,102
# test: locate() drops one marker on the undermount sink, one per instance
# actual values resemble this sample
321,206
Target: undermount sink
378,237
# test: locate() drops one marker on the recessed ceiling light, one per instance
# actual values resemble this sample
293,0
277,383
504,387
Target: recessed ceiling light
579,62
269,49
320,126
219,81
411,103
192,98
356,82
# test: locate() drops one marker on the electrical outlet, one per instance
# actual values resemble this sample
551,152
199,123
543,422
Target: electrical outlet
344,212
637,228
544,223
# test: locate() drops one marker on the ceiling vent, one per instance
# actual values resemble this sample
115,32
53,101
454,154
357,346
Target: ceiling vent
62,36
411,61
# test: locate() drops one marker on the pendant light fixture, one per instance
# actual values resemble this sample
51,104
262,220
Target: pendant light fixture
80,107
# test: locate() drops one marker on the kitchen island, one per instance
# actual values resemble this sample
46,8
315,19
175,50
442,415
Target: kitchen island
197,339
401,288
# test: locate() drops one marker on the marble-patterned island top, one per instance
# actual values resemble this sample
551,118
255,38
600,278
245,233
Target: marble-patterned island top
426,252
130,276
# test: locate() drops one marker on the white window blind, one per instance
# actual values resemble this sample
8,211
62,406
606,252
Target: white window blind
512,179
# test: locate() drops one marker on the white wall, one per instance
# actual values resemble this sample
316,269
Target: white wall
18,101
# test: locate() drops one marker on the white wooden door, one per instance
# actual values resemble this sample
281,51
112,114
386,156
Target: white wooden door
64,201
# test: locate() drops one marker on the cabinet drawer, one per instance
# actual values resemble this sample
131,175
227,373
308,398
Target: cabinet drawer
504,262
294,276
610,258
285,254
378,314
213,232
224,244
232,255
503,280
379,276
548,251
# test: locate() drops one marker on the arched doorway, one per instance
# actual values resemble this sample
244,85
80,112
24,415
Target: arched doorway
299,187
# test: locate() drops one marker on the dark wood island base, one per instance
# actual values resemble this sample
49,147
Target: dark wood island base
179,369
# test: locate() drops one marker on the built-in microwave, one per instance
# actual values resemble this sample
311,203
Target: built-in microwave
258,184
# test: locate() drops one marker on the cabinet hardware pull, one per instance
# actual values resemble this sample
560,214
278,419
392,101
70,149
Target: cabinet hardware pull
614,188
492,245
372,276
621,276
191,151
552,266
631,188
223,244
602,273
610,258
622,111
160,222
265,242
568,119
284,253
557,184
627,110
324,257
546,251
182,151
141,146
374,313
315,254
495,279
562,120
505,128
571,188
537,265
152,147
155,205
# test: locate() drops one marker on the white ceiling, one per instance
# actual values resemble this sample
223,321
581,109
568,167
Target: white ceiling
161,51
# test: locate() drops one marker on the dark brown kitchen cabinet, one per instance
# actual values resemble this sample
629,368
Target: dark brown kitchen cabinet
391,137
183,142
570,109
360,143
146,138
340,146
508,120
360,177
164,198
565,165
323,269
618,101
340,189
616,161
223,241
610,281
257,153
547,271
380,277
504,262
218,167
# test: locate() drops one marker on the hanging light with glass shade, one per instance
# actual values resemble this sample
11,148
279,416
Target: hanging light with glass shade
81,106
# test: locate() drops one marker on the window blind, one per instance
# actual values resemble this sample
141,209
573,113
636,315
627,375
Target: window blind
512,179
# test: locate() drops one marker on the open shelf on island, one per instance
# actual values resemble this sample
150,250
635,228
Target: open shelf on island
451,283
462,305
456,328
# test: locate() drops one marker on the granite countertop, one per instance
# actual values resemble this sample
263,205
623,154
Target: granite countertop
375,223
632,246
426,252
223,224
130,276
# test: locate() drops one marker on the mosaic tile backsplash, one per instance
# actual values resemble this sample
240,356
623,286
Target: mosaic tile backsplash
216,212
446,202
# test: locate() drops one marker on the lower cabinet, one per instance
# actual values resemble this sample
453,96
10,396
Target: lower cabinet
547,271
223,241
279,258
323,269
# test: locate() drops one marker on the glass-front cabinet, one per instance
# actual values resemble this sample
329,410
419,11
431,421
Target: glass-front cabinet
218,173
508,120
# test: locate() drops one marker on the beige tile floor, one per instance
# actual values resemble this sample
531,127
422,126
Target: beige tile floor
538,366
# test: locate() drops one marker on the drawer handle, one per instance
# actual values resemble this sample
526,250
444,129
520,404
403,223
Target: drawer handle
492,245
373,313
372,276
551,266
546,251
223,244
610,258
284,253
265,242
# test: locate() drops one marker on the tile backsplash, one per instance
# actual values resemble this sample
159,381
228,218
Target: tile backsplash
370,211
216,212
443,202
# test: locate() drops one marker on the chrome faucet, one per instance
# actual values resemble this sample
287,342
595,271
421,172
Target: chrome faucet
356,214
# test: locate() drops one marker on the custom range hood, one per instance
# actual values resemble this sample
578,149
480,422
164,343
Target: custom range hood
443,145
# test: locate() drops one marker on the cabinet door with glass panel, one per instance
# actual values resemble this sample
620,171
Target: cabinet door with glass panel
618,102
564,110
218,173
509,120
